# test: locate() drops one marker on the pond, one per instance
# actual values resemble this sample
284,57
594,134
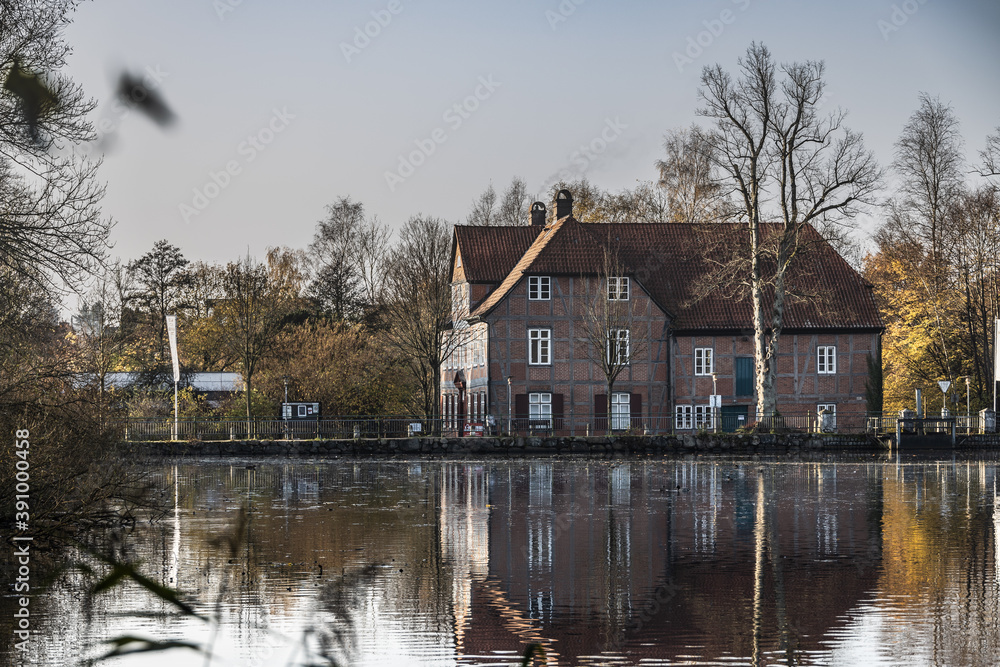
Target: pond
700,561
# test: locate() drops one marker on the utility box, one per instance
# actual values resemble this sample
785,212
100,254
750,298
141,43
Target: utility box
299,410
989,420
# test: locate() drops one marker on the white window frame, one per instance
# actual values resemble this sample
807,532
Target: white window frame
832,407
543,338
683,417
539,288
621,411
826,359
618,288
704,361
616,337
540,407
704,417
477,349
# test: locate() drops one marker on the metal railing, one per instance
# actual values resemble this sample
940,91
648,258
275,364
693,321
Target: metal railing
350,427
885,424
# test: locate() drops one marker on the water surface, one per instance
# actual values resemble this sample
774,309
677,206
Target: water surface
653,562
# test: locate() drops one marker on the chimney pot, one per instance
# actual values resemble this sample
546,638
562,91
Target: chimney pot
538,214
564,204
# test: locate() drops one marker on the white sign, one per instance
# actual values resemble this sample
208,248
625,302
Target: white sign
172,335
944,384
715,401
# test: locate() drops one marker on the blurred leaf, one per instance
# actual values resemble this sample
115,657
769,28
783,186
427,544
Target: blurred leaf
128,644
530,653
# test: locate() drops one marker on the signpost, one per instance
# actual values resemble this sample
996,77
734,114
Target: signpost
715,405
944,384
172,335
996,363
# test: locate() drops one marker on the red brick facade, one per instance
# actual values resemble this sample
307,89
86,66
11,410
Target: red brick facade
493,380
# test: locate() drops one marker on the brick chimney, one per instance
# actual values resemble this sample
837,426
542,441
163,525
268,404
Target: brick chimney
564,204
538,214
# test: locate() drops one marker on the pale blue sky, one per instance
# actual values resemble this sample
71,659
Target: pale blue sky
609,68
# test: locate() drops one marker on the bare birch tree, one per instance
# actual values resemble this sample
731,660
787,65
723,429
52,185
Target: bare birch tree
786,167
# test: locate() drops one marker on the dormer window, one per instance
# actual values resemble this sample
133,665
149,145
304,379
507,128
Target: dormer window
539,288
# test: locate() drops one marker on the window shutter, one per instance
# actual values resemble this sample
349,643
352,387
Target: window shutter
601,412
744,376
635,410
557,412
521,406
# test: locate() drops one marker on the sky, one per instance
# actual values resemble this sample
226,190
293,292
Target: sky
415,107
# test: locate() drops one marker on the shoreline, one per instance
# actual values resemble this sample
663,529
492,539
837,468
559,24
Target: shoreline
517,446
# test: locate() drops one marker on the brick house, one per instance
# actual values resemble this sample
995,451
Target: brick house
519,295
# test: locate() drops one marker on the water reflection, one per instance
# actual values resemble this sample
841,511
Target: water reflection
601,562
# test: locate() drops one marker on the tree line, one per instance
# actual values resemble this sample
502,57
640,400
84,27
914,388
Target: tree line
935,265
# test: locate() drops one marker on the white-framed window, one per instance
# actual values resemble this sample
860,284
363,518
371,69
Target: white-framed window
459,300
540,347
618,347
618,288
826,359
539,288
703,416
540,408
832,407
477,349
704,361
621,405
682,417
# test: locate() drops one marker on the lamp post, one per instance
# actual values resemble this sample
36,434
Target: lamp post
509,407
284,408
714,408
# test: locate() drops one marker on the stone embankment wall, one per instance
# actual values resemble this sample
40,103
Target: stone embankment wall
516,446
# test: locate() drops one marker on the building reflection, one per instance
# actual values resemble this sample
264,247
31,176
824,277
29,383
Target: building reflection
656,560
598,561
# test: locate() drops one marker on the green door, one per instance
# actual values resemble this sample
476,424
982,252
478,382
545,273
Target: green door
733,417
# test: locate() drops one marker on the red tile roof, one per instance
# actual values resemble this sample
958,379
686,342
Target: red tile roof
672,262
489,253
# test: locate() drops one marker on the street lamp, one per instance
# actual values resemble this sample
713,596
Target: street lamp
714,407
509,431
284,408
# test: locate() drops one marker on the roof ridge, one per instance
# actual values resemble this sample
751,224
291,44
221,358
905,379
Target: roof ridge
529,256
